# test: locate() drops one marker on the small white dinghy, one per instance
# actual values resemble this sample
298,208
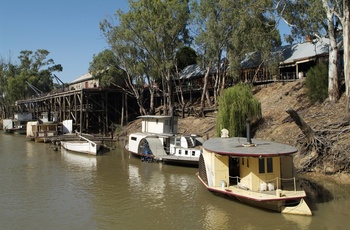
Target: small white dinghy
82,146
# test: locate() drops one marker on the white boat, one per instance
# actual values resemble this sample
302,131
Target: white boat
82,146
159,141
256,172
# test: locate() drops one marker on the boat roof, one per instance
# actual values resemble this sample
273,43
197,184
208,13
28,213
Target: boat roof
146,134
238,146
154,116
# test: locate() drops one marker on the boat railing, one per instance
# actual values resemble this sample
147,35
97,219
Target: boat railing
238,179
265,183
278,181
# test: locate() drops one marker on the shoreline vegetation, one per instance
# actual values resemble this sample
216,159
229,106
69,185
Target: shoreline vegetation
276,125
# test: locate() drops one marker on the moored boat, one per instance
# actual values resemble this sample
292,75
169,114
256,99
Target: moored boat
159,141
256,172
14,126
82,146
40,132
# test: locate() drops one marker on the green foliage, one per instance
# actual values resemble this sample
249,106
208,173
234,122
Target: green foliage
147,39
104,66
317,83
186,56
236,105
34,67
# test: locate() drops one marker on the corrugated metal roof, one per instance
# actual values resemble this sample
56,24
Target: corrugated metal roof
304,50
192,71
87,76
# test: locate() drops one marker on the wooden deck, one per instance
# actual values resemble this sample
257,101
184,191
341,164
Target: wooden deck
260,195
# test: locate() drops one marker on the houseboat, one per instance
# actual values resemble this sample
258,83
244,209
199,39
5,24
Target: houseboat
41,132
17,125
159,141
44,128
256,172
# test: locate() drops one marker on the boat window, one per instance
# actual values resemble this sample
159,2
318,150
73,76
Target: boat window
269,165
261,165
186,152
180,151
193,153
133,138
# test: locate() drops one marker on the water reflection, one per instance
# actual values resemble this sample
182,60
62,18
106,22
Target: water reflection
65,190
216,218
300,222
79,160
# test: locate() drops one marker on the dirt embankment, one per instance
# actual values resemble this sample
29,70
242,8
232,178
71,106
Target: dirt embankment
277,125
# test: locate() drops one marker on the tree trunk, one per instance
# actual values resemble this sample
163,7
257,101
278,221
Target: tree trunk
123,110
333,81
304,127
170,94
151,101
204,93
346,40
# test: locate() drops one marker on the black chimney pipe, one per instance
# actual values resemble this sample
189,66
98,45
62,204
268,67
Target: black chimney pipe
249,139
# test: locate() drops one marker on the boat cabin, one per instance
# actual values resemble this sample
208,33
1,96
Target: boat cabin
256,172
159,124
252,168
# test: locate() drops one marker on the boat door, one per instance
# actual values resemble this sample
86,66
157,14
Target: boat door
233,169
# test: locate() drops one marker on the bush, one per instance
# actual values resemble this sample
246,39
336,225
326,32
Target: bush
236,105
317,83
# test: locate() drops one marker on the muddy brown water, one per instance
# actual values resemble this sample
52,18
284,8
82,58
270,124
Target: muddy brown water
45,189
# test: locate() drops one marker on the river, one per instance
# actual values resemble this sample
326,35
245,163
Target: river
45,189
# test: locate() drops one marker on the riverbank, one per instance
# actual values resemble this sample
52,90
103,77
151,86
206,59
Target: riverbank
277,125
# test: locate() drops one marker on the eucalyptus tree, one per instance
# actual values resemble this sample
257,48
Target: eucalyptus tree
150,34
34,68
330,17
213,27
127,55
341,10
310,18
104,66
230,29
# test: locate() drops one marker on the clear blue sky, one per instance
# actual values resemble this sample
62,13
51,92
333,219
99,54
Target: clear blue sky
68,29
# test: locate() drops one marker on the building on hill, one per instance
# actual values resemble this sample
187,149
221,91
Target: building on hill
86,81
292,62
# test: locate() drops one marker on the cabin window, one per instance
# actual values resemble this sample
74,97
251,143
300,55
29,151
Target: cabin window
134,138
179,151
186,152
261,165
269,165
193,153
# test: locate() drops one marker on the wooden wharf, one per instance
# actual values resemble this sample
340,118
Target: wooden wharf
92,110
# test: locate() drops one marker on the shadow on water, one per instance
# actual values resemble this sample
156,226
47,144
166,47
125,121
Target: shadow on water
315,193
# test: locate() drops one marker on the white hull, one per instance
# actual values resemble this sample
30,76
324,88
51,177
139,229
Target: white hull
83,146
163,148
